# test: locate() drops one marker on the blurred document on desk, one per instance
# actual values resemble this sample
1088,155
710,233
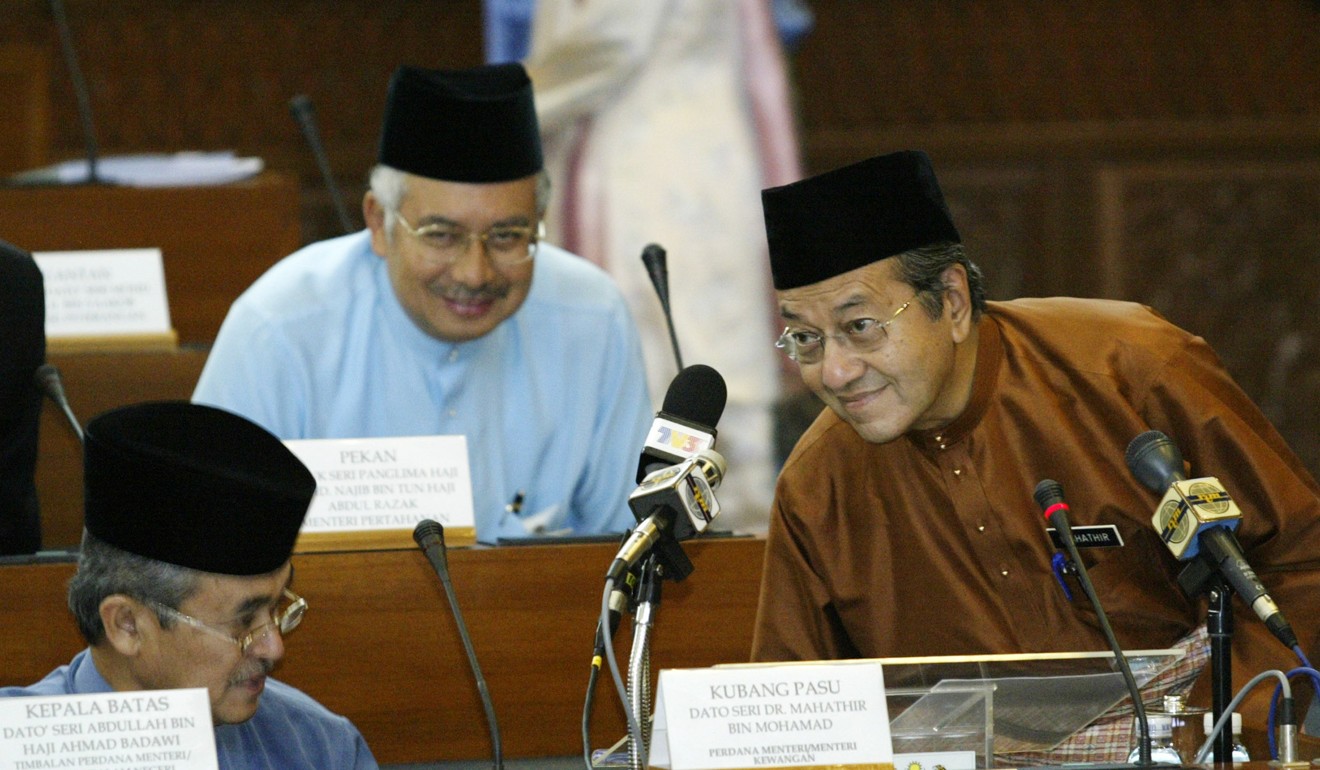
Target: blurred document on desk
109,293
179,169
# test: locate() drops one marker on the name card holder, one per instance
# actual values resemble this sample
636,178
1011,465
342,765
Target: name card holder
372,492
788,715
169,729
103,301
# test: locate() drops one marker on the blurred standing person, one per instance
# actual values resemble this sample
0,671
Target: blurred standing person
663,120
22,350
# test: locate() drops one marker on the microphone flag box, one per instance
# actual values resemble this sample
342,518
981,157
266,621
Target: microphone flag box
372,492
106,300
682,488
813,714
109,731
675,440
1188,505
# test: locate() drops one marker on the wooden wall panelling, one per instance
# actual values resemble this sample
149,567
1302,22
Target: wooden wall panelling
940,62
166,76
379,644
999,212
215,240
1228,251
25,103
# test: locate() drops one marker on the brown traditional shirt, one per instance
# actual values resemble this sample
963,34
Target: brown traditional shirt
932,544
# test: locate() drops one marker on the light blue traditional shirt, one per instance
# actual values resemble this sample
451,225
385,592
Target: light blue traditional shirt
290,731
553,401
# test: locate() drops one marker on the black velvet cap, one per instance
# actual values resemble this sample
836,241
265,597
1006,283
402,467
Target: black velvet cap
473,125
848,218
195,486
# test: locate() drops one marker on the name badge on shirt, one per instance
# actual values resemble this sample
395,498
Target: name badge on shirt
141,728
1090,536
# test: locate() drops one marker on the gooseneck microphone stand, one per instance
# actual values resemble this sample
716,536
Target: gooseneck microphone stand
639,662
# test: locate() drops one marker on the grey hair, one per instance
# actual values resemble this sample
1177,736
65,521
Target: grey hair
922,267
104,570
389,185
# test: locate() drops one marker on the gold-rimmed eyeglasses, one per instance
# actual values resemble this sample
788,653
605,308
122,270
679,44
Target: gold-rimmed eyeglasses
506,245
860,335
284,619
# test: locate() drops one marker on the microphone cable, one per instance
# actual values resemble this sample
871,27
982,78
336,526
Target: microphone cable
618,595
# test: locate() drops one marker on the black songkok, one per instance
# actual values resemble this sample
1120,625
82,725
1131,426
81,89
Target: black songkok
850,217
195,486
473,125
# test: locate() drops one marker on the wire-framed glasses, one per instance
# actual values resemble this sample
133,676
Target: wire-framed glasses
860,335
506,245
285,618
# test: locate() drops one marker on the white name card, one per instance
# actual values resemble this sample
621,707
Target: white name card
386,483
778,715
158,729
104,293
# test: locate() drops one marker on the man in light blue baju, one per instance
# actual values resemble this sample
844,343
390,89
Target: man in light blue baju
184,581
447,316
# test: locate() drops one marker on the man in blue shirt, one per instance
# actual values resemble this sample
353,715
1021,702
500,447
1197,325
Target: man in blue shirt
184,580
448,316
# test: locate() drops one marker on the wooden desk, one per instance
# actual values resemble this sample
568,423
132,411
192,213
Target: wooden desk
215,240
379,644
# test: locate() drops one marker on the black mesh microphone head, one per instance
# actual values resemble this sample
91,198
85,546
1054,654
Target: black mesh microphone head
428,530
695,399
654,258
697,395
1048,492
1154,460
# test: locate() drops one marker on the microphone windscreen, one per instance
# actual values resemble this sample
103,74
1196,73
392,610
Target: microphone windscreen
1048,492
427,530
301,106
1154,460
697,395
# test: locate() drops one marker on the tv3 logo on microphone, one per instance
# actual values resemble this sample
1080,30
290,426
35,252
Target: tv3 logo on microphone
1187,506
677,439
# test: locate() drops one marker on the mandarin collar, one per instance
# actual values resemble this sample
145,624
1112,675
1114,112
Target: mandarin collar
989,354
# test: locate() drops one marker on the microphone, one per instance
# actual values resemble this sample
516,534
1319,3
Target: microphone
47,377
686,421
1197,517
1049,496
430,536
303,112
653,257
672,504
79,90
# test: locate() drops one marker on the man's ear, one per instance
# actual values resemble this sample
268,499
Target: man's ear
374,215
121,615
958,300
